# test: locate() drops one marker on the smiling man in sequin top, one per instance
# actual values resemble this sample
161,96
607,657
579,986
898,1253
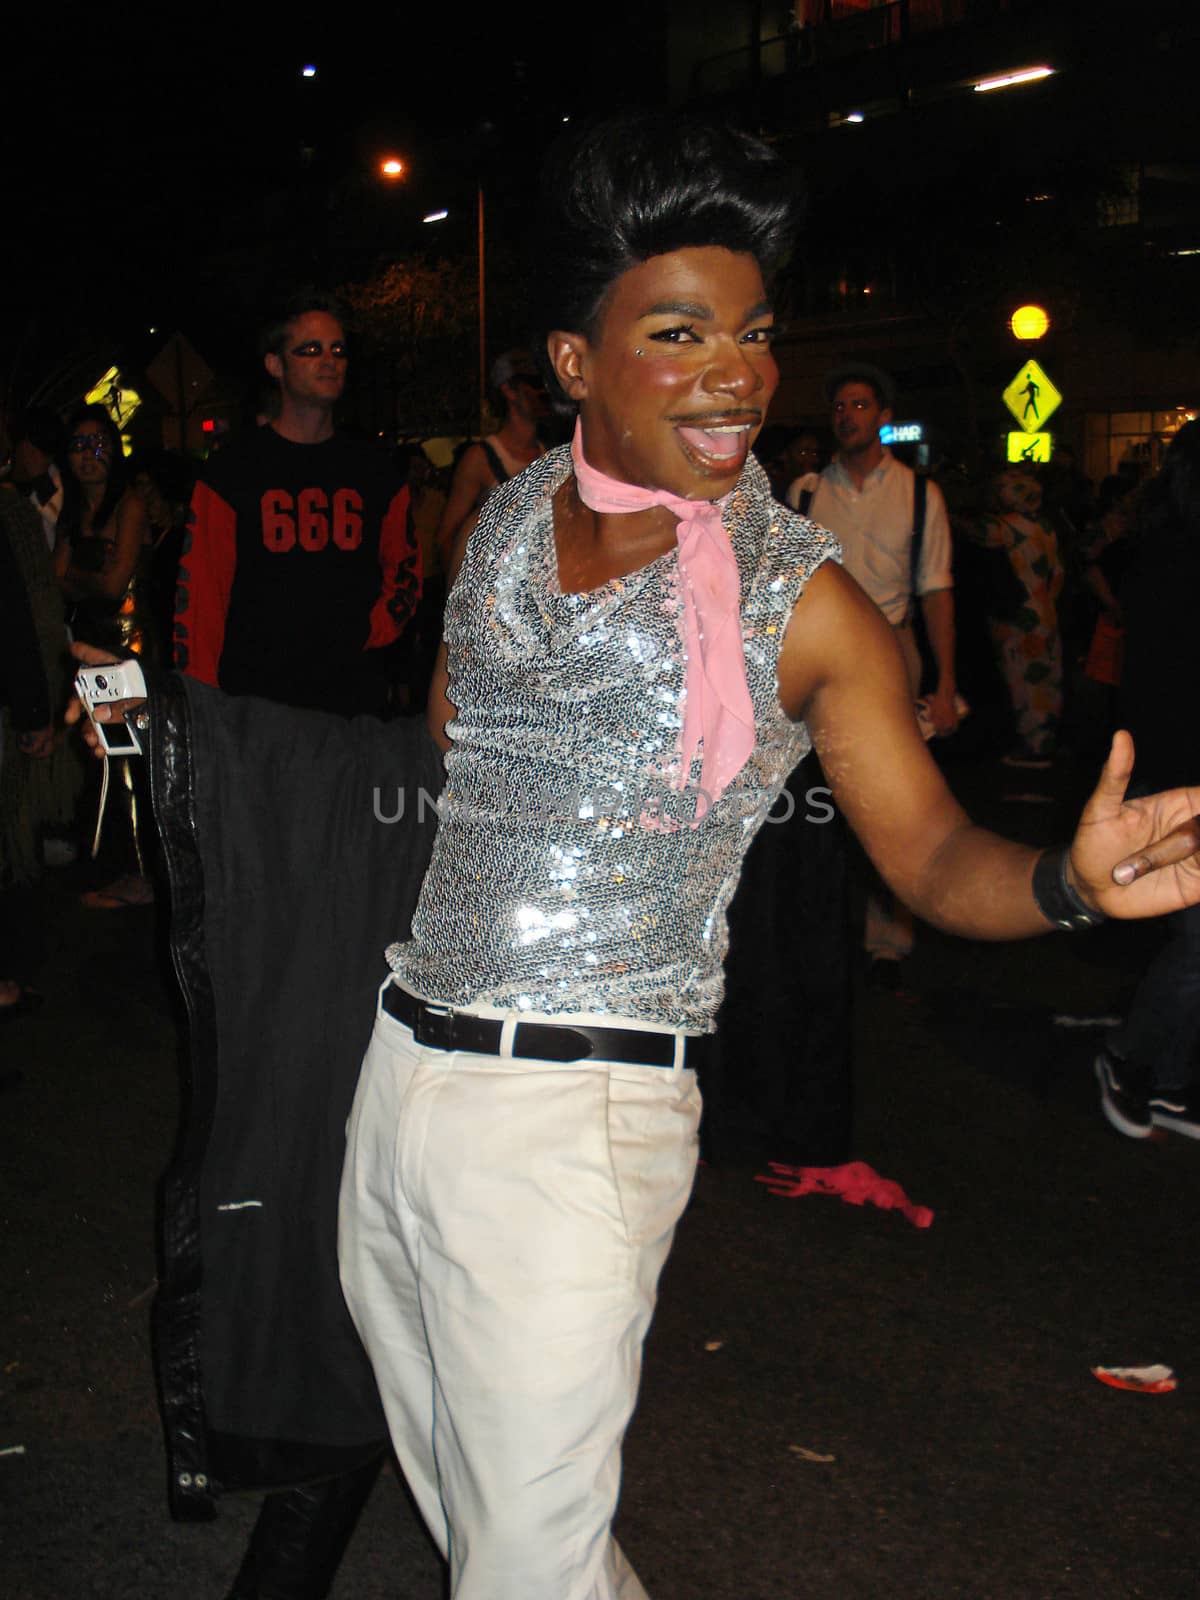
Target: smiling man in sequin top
524,1134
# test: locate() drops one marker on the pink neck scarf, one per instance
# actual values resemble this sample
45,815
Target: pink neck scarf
717,708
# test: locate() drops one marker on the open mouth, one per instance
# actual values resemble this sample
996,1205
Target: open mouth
724,444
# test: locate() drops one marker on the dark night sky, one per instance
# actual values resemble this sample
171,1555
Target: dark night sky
154,175
141,149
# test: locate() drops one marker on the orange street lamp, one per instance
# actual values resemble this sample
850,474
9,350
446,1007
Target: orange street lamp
1029,322
392,167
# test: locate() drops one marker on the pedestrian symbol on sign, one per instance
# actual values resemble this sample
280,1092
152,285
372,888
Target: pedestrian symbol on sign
1032,389
1032,398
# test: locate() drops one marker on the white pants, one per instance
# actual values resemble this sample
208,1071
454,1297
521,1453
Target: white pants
503,1226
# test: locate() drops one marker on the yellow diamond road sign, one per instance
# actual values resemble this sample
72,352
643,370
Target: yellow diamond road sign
1032,398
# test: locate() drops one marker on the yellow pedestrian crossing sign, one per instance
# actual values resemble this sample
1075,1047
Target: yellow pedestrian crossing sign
1030,446
1032,398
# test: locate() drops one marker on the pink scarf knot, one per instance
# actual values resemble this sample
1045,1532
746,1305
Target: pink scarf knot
717,709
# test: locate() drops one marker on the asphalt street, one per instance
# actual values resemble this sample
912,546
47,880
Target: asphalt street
836,1404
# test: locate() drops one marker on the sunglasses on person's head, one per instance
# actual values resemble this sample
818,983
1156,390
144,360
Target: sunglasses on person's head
88,444
311,348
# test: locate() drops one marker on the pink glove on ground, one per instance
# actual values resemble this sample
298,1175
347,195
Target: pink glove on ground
856,1183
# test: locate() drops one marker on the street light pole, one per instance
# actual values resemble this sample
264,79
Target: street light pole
481,297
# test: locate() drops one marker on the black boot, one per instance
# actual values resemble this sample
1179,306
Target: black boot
301,1536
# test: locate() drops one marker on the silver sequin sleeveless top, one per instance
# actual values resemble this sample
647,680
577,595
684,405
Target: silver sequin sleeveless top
547,891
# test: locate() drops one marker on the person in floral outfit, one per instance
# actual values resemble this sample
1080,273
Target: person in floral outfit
1027,639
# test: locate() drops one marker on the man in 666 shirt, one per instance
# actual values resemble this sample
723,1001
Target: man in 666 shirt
299,566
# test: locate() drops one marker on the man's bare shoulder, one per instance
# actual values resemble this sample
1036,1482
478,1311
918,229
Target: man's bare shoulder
835,631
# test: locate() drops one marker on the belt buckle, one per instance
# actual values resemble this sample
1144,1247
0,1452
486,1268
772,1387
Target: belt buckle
435,1028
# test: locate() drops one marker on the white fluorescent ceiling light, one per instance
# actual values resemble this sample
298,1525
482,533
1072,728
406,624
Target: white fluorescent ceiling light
1026,75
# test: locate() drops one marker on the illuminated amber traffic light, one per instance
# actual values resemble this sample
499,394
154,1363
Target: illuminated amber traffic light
1029,322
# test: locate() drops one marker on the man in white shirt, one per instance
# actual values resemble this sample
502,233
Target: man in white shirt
867,498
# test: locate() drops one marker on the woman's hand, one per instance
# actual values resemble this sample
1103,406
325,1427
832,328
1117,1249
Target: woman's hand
1136,858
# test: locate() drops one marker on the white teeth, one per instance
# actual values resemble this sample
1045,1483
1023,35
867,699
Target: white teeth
742,427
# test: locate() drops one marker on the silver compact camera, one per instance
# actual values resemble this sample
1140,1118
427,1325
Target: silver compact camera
117,680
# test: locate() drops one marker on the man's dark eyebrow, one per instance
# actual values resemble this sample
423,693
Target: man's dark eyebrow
679,308
702,313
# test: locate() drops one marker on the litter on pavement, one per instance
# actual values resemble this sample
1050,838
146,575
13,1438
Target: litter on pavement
1139,1380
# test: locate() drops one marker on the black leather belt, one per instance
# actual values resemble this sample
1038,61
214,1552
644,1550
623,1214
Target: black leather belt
532,1041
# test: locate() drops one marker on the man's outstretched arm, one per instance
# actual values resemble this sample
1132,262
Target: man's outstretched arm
841,671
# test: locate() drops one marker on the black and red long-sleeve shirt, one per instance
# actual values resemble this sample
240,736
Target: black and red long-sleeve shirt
299,565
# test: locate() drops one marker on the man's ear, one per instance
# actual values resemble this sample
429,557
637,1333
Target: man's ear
273,365
568,355
885,416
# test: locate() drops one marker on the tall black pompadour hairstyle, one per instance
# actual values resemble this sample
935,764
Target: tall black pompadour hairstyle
642,184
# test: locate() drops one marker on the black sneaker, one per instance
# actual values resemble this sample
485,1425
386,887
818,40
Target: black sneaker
1122,1099
1176,1110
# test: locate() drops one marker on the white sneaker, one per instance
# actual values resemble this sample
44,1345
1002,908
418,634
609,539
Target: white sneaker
1176,1110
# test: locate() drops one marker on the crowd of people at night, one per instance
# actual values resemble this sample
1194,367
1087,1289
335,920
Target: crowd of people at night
739,657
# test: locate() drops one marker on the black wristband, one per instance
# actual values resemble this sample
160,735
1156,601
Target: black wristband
1056,899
